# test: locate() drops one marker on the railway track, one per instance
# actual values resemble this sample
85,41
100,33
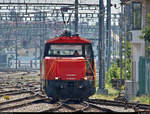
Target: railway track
12,92
135,106
67,106
19,102
91,105
30,99
35,101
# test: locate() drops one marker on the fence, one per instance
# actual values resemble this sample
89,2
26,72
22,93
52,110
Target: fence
26,63
144,76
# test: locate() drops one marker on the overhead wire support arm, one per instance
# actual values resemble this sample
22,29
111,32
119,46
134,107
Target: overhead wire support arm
65,9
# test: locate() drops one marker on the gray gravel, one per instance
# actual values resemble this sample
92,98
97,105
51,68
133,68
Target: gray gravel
33,108
44,106
13,97
117,109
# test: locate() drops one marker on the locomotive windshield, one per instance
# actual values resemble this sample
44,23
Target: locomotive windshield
65,50
68,50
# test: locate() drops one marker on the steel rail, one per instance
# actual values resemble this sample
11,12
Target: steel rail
86,106
55,108
98,107
120,104
17,100
23,104
14,92
61,104
4,92
69,107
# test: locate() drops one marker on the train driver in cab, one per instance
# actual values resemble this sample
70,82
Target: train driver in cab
76,53
58,53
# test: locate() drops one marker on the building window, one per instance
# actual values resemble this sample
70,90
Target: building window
128,13
137,14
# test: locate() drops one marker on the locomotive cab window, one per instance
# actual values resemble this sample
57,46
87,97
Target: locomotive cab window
89,58
63,50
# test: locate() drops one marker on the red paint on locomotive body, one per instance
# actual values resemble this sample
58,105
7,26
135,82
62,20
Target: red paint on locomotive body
71,40
65,74
50,68
65,68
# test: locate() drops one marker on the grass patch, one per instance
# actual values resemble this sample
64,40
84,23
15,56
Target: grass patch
143,99
112,93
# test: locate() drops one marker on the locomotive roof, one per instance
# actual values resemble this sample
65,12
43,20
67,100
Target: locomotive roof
69,39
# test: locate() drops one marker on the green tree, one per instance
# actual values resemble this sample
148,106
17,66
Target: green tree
146,31
146,34
114,70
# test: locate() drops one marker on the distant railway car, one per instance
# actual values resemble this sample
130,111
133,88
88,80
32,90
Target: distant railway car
67,68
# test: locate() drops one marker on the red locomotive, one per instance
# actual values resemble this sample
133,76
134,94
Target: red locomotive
67,68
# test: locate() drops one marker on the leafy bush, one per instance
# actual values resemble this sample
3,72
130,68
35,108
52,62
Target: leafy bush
146,31
146,34
114,70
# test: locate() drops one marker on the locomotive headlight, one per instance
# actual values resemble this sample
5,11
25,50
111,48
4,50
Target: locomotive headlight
80,86
61,86
56,78
85,78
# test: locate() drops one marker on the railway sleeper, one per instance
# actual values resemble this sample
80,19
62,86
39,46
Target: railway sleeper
21,105
15,93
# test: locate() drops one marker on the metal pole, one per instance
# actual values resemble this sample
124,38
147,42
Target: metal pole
40,47
125,52
43,31
125,36
108,35
35,44
56,23
40,35
113,45
101,89
43,39
121,38
76,16
16,40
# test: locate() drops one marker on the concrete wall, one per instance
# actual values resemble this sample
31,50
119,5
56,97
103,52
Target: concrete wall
145,11
137,50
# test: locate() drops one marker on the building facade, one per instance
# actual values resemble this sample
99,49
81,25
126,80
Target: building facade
136,18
